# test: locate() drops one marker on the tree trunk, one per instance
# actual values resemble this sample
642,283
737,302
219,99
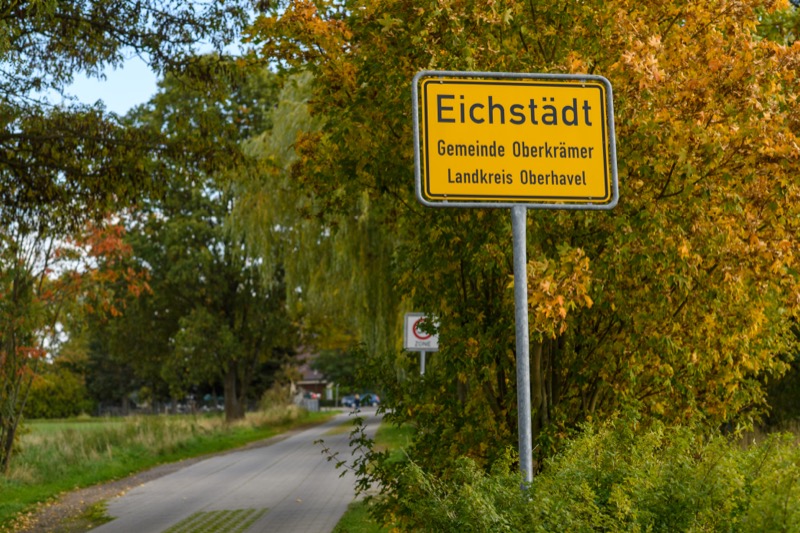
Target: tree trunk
7,447
537,388
12,374
233,408
11,433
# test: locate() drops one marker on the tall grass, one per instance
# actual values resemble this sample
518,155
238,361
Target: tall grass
56,457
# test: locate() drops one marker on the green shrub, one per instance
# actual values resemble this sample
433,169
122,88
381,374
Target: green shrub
279,395
57,393
611,478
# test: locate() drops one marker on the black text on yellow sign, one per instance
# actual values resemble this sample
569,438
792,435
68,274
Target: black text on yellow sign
538,141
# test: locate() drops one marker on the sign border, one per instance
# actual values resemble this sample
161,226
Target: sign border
572,204
425,168
411,316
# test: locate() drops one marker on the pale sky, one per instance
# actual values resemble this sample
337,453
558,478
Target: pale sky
124,87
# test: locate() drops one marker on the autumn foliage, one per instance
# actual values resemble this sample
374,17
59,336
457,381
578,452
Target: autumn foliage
45,281
678,304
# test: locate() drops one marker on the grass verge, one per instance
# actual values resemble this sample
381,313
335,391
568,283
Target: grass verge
56,457
94,516
357,518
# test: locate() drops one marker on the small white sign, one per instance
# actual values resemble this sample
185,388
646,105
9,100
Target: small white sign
417,340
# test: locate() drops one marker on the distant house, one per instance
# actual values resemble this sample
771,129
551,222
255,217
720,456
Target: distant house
310,381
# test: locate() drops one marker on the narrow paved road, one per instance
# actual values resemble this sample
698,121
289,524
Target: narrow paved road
288,486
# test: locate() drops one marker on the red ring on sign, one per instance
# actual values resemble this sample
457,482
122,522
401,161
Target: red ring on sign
421,335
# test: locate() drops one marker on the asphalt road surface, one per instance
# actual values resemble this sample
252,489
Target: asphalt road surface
288,486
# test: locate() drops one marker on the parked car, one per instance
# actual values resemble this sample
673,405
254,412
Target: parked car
364,399
370,398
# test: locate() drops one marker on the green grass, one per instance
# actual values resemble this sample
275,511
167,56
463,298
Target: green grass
56,457
394,439
357,518
93,516
84,424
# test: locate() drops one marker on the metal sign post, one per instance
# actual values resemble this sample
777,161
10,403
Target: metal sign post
518,229
414,338
518,140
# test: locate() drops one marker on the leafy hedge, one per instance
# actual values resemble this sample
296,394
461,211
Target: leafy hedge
58,392
612,478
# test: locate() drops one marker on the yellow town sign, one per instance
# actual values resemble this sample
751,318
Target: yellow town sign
497,139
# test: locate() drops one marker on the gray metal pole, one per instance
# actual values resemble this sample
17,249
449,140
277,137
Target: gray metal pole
421,363
519,230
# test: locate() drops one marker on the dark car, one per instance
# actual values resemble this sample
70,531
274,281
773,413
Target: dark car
370,399
364,400
349,400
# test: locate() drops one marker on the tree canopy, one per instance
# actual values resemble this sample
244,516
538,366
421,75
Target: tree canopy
679,304
78,160
692,279
66,168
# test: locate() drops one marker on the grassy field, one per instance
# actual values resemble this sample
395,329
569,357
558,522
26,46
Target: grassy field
59,456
